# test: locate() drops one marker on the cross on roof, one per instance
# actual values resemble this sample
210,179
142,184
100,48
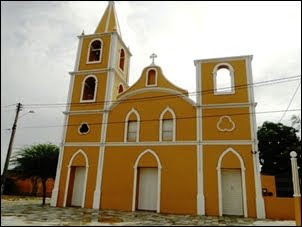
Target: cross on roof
153,56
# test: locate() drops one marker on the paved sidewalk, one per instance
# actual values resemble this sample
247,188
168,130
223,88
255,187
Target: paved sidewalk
31,212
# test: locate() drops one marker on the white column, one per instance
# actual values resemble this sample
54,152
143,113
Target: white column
295,175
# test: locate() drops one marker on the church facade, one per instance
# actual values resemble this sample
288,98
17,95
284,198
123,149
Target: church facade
149,146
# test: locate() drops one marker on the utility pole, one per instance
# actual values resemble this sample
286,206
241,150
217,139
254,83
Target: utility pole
10,146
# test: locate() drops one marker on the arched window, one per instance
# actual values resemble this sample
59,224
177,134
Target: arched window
151,77
167,125
120,88
95,51
223,79
122,59
89,89
132,126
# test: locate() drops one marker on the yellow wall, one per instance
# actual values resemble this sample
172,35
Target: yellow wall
277,207
240,116
94,122
77,91
151,110
211,154
207,82
93,154
178,179
105,53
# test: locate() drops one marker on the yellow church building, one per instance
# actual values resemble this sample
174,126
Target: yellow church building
149,146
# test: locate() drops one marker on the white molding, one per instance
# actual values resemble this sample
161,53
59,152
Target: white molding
227,105
95,89
158,89
199,152
81,112
157,143
260,205
108,17
108,97
81,126
55,191
146,77
206,60
101,52
137,125
68,176
221,119
168,109
231,70
242,179
159,168
89,71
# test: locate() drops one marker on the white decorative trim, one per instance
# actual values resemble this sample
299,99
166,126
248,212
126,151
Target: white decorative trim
147,74
137,125
101,52
227,105
221,119
55,191
223,59
260,205
242,179
108,17
95,89
81,112
158,89
231,70
84,133
168,109
157,143
108,97
68,176
159,167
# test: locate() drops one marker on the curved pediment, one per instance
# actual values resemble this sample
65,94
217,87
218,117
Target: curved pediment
153,77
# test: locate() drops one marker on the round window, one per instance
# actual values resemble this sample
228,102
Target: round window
84,128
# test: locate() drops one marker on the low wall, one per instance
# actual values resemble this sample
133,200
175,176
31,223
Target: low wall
276,207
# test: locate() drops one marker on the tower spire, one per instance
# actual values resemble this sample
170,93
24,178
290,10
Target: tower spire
109,21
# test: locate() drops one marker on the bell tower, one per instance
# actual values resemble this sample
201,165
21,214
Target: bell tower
101,72
226,121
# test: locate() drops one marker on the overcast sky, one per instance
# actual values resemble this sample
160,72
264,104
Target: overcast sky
39,43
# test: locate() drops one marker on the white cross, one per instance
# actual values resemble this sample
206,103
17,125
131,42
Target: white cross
153,56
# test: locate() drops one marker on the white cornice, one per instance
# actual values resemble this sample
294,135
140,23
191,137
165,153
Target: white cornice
223,59
227,105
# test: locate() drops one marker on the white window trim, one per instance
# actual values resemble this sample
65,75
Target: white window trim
146,83
118,88
243,184
159,168
225,129
231,69
68,176
81,126
137,125
95,89
119,60
168,109
101,52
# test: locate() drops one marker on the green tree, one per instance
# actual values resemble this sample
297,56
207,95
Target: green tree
276,141
37,162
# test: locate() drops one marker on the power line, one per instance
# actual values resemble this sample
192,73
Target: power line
290,101
160,97
157,119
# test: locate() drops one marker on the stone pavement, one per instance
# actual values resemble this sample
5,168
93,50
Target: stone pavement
31,212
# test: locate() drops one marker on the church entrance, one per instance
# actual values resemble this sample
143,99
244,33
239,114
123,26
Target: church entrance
232,203
78,186
148,186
